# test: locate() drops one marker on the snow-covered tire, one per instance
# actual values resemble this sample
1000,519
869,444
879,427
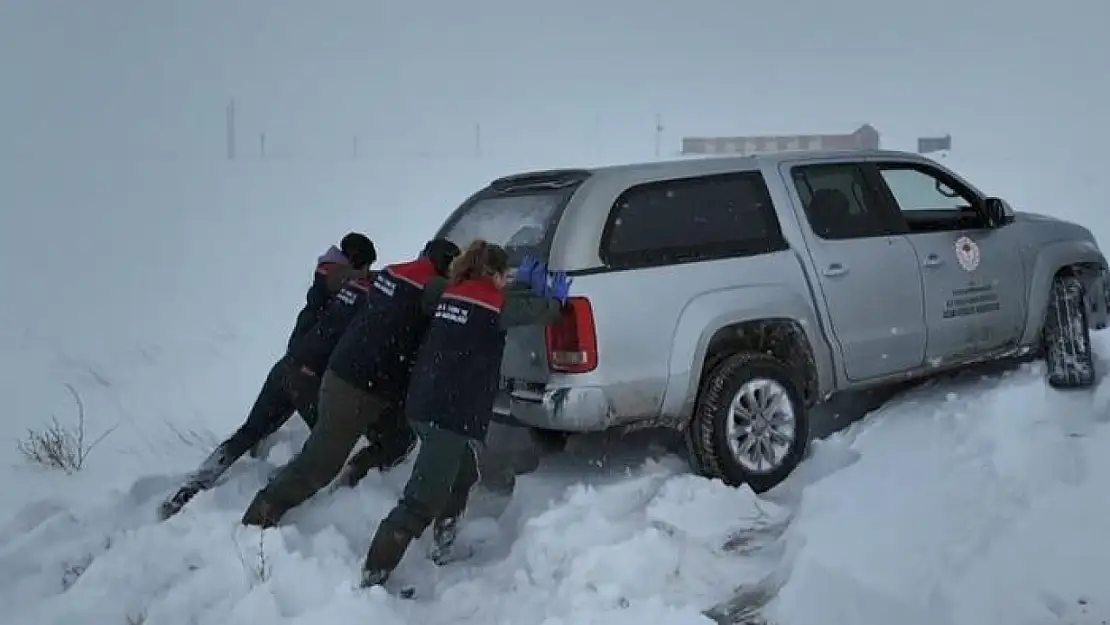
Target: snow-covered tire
1067,336
708,441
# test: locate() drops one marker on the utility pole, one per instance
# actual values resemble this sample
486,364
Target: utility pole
229,128
262,145
658,134
478,140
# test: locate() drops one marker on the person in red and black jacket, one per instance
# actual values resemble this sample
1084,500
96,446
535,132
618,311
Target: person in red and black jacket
357,391
450,400
294,380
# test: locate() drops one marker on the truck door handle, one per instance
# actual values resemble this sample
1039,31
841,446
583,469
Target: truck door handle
835,270
932,260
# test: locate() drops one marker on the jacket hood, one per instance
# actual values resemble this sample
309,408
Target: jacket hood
333,255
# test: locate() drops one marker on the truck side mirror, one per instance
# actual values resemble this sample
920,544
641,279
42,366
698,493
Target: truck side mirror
997,212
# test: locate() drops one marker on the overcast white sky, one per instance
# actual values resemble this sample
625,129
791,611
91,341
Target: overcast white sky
145,77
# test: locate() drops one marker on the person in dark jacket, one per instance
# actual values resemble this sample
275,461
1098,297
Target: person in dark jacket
352,259
357,396
293,382
334,268
390,437
450,401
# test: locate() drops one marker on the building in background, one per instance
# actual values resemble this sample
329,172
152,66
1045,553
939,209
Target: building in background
926,145
864,138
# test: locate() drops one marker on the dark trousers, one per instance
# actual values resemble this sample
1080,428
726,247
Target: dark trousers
445,470
287,389
345,413
509,451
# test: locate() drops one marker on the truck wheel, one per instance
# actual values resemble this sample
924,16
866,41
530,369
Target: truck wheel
1067,336
750,425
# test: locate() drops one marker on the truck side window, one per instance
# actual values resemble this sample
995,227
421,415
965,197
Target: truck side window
928,200
839,203
690,220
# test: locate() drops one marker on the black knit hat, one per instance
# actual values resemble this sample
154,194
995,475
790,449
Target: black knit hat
359,249
441,252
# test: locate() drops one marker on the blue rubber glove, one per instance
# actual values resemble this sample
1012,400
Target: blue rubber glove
523,274
538,280
560,287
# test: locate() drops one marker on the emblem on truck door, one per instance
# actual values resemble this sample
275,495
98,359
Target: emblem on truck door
967,253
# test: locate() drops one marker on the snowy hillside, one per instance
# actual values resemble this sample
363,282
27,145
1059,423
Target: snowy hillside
970,501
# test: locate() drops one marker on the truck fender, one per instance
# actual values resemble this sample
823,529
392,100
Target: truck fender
1048,261
704,315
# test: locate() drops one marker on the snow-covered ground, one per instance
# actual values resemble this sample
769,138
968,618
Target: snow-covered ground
975,500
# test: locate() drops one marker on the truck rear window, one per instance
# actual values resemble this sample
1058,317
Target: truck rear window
691,219
520,221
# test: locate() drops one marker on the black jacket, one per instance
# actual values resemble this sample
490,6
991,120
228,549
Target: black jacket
458,368
313,348
332,271
376,351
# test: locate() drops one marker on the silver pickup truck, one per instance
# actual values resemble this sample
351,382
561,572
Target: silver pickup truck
726,297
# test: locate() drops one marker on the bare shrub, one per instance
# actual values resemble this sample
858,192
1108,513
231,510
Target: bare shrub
58,446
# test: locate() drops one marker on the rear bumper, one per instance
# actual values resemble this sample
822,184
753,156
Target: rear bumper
575,409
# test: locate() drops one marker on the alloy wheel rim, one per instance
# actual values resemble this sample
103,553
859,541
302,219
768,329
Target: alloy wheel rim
761,425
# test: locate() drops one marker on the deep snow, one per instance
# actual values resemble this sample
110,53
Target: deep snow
978,500
975,500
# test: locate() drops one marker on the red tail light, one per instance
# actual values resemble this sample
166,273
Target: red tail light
572,341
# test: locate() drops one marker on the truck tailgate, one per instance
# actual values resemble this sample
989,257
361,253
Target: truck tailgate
525,357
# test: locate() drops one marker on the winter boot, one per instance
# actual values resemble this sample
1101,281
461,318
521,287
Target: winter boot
385,553
202,479
370,457
262,513
174,504
444,548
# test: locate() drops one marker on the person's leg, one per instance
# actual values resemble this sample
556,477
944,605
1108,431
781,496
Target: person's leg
303,386
508,451
427,494
343,412
391,440
271,409
445,527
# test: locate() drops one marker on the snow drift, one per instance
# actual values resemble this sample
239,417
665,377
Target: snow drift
967,501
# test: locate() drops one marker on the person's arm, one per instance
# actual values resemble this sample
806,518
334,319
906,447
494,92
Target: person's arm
338,275
524,308
432,292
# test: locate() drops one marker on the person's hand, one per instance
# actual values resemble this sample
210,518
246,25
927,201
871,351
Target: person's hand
538,281
560,287
523,273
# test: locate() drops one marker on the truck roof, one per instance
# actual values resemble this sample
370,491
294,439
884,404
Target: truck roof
706,164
